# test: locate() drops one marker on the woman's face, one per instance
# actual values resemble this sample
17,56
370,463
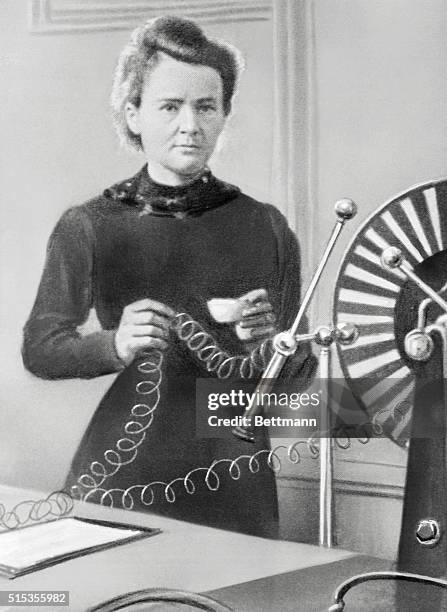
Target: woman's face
179,119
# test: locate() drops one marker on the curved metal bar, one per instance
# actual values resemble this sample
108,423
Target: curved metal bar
345,586
201,602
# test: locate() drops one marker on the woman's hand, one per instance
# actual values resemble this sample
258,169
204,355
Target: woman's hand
144,325
258,320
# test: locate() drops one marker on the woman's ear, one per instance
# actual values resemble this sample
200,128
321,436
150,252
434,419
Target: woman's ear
132,114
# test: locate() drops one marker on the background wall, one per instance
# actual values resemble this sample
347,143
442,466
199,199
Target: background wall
380,95
376,93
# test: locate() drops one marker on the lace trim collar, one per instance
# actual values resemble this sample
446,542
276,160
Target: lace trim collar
206,193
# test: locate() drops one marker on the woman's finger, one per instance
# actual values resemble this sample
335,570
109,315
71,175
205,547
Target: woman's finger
266,319
263,332
148,304
148,318
139,331
255,296
257,309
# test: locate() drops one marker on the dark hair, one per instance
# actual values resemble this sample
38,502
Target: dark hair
183,40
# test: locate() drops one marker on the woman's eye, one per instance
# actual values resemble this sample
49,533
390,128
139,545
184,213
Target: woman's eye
207,108
169,107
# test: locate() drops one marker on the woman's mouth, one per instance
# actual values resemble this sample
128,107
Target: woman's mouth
188,148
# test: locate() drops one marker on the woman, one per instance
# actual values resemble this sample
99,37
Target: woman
165,242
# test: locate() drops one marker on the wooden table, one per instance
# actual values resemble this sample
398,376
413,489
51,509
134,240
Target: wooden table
248,573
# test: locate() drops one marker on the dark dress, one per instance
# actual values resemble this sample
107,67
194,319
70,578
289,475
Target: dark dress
182,247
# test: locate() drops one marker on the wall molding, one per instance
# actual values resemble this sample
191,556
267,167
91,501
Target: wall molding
346,487
290,160
59,16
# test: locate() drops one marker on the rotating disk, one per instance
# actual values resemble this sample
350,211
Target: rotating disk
375,366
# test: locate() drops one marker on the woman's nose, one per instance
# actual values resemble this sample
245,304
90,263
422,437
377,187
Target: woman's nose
188,123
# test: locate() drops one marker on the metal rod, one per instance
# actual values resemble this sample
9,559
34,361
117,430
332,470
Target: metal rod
342,217
442,331
345,209
326,459
265,385
422,312
392,258
423,286
345,586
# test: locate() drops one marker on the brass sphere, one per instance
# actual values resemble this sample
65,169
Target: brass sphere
324,336
345,208
391,257
346,333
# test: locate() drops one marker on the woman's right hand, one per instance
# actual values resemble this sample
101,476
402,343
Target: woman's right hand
144,325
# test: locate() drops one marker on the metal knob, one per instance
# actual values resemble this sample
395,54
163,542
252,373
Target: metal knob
345,208
418,345
346,333
324,336
285,343
428,532
392,257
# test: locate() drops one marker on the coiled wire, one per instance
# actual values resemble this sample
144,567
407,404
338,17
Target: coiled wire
146,494
206,350
60,504
343,435
57,505
142,416
215,360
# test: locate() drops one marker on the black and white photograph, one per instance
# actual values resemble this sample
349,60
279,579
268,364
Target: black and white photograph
223,281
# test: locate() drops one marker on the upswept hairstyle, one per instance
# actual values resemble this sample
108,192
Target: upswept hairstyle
183,40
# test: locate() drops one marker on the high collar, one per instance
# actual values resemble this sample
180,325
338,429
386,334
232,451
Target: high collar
205,193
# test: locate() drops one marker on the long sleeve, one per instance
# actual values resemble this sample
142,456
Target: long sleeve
52,346
303,364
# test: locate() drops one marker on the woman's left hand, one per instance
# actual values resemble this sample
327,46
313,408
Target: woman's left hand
258,320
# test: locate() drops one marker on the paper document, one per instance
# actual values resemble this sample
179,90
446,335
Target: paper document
30,548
